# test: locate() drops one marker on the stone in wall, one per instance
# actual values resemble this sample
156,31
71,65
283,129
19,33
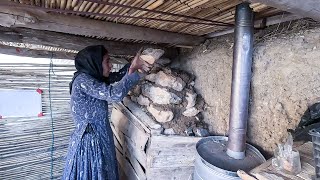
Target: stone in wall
191,112
191,99
160,95
142,100
161,116
167,80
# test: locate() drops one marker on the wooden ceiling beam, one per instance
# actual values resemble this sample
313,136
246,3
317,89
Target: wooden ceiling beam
73,42
24,52
34,53
261,23
305,8
37,19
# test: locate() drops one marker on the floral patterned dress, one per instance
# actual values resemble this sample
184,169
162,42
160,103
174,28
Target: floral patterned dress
91,153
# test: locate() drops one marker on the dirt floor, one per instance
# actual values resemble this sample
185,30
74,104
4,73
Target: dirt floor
286,79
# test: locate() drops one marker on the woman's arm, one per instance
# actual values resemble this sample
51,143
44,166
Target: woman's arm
103,91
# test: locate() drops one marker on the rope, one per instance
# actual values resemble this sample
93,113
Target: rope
52,129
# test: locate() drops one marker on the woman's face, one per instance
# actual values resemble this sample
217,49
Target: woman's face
106,65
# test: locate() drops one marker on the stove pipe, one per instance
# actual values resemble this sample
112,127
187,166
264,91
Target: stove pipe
241,77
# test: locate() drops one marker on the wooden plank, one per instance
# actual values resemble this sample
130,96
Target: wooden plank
306,149
130,151
136,166
268,171
137,153
128,148
122,174
126,167
171,151
261,23
134,162
173,141
24,52
35,53
307,166
13,16
132,139
306,8
117,144
138,169
268,176
127,113
140,114
168,157
308,171
173,161
73,42
181,173
118,134
135,133
136,157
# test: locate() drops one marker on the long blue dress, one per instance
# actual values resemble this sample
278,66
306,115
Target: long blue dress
91,153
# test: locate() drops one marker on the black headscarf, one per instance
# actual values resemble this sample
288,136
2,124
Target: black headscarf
89,61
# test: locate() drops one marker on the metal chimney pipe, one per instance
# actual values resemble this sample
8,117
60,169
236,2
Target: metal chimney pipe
241,77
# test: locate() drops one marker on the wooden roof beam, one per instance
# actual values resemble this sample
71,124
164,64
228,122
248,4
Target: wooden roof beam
36,19
305,8
25,52
73,42
34,53
261,23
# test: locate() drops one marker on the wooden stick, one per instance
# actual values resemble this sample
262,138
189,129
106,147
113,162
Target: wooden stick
244,176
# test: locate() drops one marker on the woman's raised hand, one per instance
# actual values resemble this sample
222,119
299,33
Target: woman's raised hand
139,64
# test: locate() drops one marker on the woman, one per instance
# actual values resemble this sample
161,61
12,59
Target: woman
91,153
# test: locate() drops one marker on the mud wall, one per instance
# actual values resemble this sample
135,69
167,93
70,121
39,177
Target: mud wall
285,79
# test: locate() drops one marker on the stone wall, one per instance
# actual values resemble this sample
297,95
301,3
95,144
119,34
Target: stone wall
168,96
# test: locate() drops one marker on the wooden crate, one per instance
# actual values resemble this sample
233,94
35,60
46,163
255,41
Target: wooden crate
143,153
